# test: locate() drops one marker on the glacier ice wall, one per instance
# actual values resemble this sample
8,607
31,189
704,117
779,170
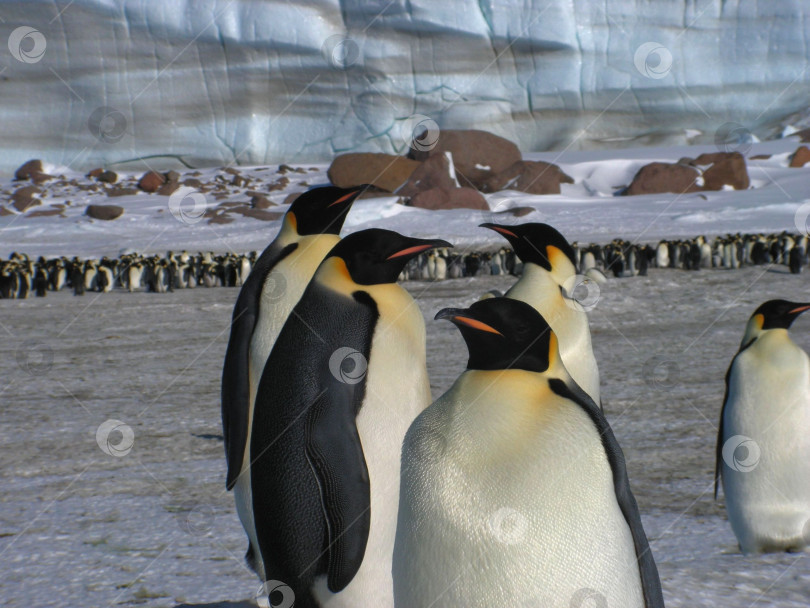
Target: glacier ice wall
94,82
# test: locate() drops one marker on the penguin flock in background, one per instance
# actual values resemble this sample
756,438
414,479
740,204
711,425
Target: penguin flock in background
354,490
619,258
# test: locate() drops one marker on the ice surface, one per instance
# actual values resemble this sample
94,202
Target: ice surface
155,527
220,81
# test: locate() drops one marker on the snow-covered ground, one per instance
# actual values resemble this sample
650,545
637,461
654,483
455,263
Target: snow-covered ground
587,211
154,526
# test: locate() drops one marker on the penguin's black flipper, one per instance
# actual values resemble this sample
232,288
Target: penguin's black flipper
650,580
309,478
334,451
236,371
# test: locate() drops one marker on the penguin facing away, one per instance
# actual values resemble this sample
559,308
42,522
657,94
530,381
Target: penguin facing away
514,489
345,379
763,447
309,230
549,270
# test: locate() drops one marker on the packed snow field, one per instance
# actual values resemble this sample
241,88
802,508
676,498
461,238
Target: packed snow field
94,514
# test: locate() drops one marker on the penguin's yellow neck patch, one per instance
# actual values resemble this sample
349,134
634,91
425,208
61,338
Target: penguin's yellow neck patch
334,274
753,329
553,350
291,221
561,266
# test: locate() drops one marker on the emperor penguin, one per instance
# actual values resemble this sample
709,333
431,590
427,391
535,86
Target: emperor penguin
548,282
763,446
309,230
343,382
514,489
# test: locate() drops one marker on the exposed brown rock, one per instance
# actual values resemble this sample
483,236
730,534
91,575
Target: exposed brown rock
168,188
151,181
477,154
455,198
4,212
94,173
290,198
28,169
104,212
385,171
108,177
257,214
25,197
240,181
760,157
121,191
222,218
800,157
727,169
533,177
432,173
657,178
45,213
279,184
259,201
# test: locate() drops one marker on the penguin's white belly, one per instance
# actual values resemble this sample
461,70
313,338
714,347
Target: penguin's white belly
571,327
767,480
397,391
507,505
280,293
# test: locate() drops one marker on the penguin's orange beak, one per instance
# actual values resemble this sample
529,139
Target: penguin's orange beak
500,229
418,248
800,309
460,316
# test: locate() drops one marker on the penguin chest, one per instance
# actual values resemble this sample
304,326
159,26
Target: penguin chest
510,501
766,448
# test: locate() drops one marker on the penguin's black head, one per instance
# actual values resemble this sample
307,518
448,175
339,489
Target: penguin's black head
779,314
322,210
377,256
502,333
535,243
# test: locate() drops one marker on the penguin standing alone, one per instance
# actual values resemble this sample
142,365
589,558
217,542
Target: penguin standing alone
549,270
345,379
309,230
514,489
763,445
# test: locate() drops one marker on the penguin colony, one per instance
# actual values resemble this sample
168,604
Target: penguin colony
354,490
20,276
